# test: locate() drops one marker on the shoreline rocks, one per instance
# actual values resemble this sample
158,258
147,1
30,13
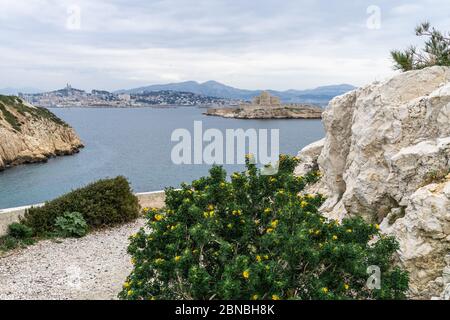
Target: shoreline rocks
29,134
269,112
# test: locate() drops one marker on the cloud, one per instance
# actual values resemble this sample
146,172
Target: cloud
251,44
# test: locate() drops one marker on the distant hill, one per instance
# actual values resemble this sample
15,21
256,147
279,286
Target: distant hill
320,95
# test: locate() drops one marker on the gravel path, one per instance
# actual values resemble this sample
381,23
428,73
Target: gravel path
92,267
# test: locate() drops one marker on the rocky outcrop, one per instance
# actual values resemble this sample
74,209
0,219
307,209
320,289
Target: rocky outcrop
31,134
385,157
282,112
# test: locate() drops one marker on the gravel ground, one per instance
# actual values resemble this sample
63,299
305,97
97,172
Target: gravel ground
92,267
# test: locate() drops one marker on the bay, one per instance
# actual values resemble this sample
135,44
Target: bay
135,143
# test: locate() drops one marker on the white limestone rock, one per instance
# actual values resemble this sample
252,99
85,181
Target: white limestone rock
385,155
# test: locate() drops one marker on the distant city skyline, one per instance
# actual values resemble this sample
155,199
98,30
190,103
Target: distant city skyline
268,44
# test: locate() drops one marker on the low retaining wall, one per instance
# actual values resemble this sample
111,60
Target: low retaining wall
153,199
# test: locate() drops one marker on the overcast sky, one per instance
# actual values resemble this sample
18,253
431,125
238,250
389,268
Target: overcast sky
254,44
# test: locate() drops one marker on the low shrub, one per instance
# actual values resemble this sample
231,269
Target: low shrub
255,237
8,243
103,203
19,231
71,225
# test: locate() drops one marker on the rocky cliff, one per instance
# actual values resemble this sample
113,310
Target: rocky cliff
294,112
31,134
386,157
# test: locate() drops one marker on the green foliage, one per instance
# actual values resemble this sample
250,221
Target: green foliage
103,203
17,104
18,235
20,231
255,237
435,53
10,118
71,225
8,243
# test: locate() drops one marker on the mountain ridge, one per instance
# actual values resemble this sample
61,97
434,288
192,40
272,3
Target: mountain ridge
320,95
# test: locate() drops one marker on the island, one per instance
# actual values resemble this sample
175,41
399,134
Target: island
266,106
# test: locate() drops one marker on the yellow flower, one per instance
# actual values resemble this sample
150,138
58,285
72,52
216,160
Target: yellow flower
325,290
229,226
272,179
257,222
303,204
317,232
145,210
130,292
281,191
346,286
246,274
349,230
377,226
133,261
255,297
266,257
311,231
269,230
210,207
334,237
222,184
159,217
236,212
159,260
275,297
177,258
126,285
267,210
274,224
258,258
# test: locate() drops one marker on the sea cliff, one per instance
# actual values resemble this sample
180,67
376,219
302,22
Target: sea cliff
31,134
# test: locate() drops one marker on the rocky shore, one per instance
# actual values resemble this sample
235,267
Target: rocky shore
282,112
386,158
30,134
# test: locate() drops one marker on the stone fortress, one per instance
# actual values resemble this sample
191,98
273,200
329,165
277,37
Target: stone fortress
266,106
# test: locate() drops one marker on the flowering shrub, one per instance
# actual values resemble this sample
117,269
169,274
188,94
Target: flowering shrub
256,238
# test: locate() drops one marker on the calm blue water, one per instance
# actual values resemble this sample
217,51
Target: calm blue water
134,143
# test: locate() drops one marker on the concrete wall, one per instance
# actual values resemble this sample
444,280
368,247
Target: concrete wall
153,199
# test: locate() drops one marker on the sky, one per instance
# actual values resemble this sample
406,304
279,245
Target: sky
249,44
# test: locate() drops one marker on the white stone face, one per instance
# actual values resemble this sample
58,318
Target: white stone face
385,154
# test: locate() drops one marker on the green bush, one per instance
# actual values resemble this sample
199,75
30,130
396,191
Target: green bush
20,231
255,237
8,243
71,225
102,203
